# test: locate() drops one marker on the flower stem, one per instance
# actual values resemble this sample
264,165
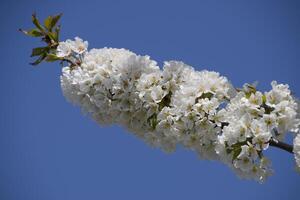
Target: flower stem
70,61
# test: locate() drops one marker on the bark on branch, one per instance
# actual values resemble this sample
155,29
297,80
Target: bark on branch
281,145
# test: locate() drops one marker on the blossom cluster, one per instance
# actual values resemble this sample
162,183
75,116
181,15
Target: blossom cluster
254,118
72,50
178,105
297,151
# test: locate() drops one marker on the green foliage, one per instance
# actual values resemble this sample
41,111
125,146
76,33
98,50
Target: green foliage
52,58
39,60
236,152
51,21
49,33
32,32
153,121
235,149
208,95
165,101
39,51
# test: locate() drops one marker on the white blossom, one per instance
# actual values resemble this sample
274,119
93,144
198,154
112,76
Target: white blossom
63,49
296,149
244,161
178,105
78,45
261,141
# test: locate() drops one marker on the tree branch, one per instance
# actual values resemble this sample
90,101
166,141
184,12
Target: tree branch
273,142
281,145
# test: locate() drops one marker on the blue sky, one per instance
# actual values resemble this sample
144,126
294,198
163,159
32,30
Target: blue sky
50,151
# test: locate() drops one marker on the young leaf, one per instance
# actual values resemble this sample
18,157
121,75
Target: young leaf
236,152
264,99
52,58
32,32
57,30
39,60
48,23
55,20
51,21
39,51
36,22
52,36
49,33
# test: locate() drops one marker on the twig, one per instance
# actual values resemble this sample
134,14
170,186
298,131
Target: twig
281,145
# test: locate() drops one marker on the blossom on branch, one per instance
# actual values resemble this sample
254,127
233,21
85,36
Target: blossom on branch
297,150
176,105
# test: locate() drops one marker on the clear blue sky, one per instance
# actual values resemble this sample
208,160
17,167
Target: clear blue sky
50,151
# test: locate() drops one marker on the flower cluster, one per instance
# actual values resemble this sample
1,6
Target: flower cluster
72,50
297,151
253,119
177,105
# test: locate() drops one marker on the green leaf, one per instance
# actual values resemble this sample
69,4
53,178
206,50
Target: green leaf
51,21
55,19
52,36
264,99
236,152
268,109
208,95
165,101
49,33
228,151
153,121
57,30
36,22
52,58
32,32
39,60
39,51
48,23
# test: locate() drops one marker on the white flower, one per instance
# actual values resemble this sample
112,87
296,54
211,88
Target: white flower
258,126
78,45
296,150
278,93
209,105
243,160
270,120
63,49
256,98
252,151
261,141
157,94
219,117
